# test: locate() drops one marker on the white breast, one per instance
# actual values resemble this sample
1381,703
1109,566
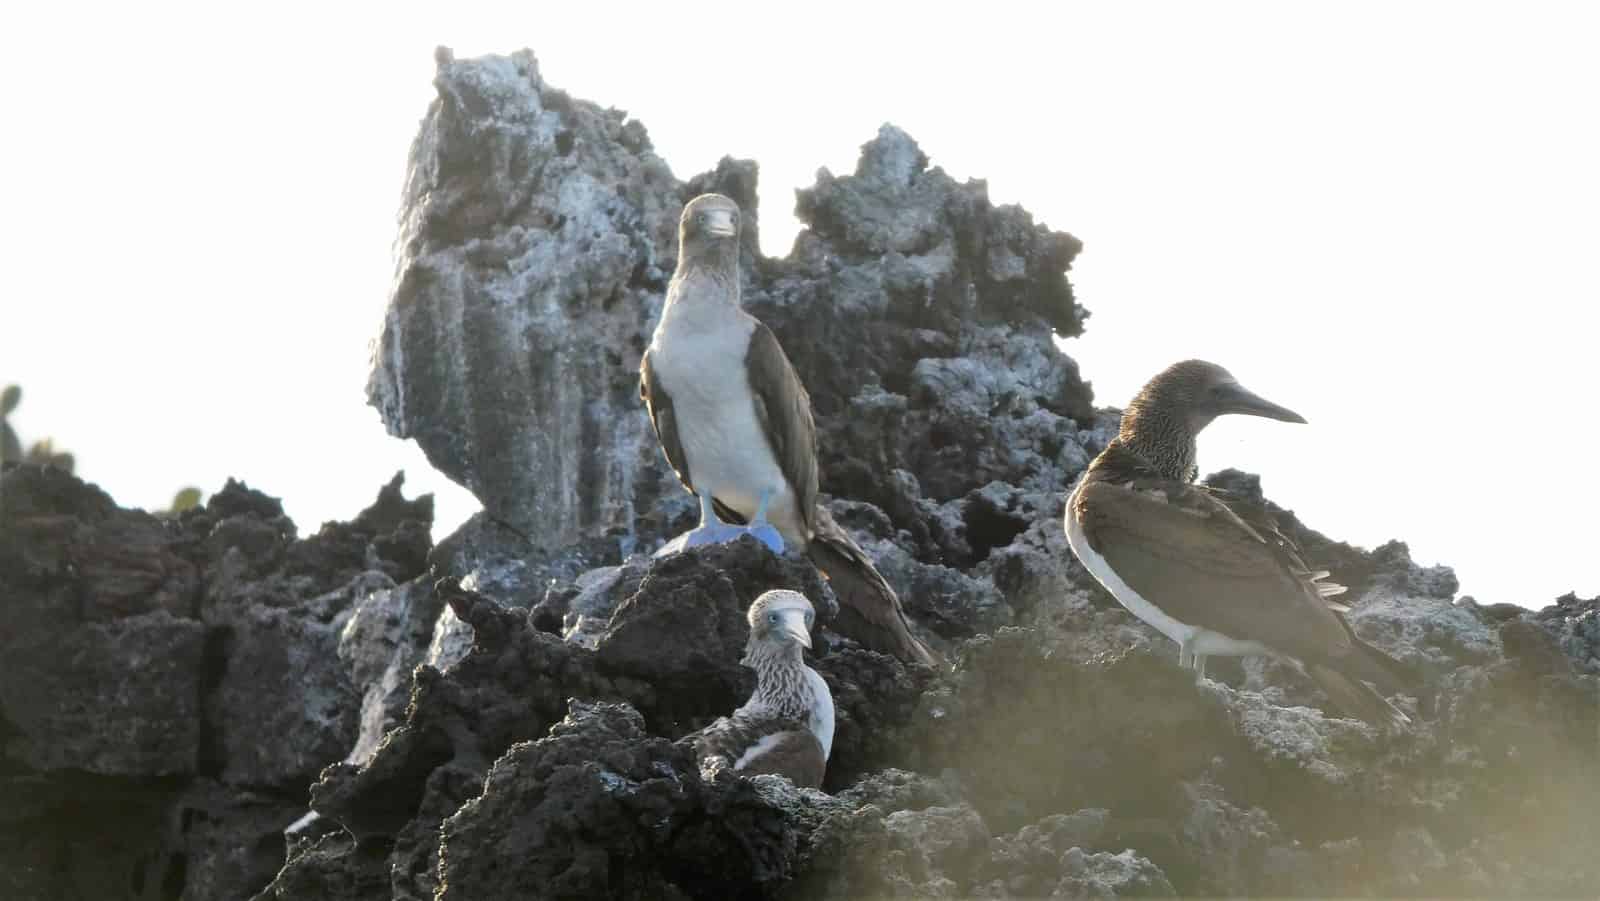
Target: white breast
1206,642
821,711
700,360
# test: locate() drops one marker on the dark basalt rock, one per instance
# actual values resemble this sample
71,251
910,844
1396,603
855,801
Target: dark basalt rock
501,715
172,685
600,809
515,682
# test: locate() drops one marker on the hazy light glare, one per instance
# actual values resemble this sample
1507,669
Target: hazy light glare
1380,215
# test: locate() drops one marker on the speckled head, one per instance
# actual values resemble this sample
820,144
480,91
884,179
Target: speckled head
1193,393
1161,423
780,621
710,223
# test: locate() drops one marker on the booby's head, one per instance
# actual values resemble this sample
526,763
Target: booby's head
780,625
1196,392
1161,422
709,228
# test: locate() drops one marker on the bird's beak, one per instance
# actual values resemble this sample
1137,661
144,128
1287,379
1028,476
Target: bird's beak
720,223
1236,399
794,623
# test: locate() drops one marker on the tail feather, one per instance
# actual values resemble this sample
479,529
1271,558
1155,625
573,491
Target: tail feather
1369,663
869,610
1355,697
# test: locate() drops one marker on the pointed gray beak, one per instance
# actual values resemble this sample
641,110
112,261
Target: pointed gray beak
720,223
794,623
1235,399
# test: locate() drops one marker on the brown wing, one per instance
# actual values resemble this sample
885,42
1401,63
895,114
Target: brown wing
784,410
1261,519
795,753
791,749
1186,552
659,403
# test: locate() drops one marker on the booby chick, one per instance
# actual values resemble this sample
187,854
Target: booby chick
786,728
736,425
1206,570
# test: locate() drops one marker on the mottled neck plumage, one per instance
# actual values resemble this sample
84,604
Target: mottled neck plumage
717,262
1163,438
781,684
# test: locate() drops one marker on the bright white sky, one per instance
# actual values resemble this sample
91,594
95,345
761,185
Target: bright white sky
1381,215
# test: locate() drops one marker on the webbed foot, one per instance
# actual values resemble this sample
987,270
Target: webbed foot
713,530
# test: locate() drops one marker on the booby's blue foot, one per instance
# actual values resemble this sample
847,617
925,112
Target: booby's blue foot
763,530
714,531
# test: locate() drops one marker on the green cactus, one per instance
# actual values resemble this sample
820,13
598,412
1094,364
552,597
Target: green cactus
10,445
45,454
183,500
42,452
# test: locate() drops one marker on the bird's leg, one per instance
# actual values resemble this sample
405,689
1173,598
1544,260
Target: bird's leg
1186,653
1199,668
712,530
760,528
708,512
760,518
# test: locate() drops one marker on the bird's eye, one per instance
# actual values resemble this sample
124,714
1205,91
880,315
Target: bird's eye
700,218
808,617
773,618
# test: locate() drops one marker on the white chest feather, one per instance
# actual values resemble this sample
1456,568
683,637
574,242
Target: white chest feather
821,711
1205,641
700,361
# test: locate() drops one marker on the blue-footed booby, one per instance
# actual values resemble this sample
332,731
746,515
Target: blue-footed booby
786,728
1212,573
735,423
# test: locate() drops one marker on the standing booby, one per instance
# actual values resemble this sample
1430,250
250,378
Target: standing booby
1218,579
786,728
736,425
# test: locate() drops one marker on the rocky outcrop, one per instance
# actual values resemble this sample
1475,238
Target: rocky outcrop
172,685
538,236
531,259
501,716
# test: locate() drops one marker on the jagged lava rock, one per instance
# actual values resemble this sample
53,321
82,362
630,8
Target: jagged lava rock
101,643
537,240
171,685
1063,752
533,252
599,809
670,651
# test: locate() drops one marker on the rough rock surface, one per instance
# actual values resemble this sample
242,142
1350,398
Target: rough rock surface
501,714
172,685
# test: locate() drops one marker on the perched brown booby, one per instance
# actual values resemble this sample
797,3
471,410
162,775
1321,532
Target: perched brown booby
1206,569
736,425
786,728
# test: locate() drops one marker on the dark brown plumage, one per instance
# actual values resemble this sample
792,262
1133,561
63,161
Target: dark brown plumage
1217,579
